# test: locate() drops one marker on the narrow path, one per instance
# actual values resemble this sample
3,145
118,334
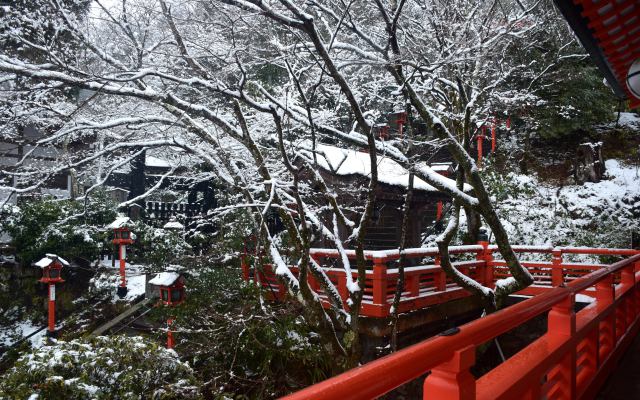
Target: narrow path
624,382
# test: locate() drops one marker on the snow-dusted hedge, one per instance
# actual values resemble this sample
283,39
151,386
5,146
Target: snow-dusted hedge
115,367
63,227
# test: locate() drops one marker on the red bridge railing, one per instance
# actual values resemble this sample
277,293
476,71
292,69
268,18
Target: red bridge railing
570,361
426,283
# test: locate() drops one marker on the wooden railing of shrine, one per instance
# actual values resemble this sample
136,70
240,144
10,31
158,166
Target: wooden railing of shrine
570,361
426,284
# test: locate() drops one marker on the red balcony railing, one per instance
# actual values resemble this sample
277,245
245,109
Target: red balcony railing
570,361
426,283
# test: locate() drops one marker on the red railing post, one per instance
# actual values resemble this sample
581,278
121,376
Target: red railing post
440,278
452,379
637,287
628,279
380,284
561,322
413,285
588,361
487,273
342,288
557,277
605,293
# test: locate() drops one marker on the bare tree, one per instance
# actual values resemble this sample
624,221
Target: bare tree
251,87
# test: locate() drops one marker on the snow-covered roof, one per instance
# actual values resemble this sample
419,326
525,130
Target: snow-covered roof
173,225
351,162
120,222
165,279
439,167
48,259
151,161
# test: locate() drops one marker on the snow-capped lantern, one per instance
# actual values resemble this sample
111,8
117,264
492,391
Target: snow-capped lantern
51,266
482,235
122,236
401,117
633,78
173,225
171,287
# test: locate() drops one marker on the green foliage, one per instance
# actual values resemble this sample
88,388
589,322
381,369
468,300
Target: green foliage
503,187
115,367
247,348
63,227
577,100
157,247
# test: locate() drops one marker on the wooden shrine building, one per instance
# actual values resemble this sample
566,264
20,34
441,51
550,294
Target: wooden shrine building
348,172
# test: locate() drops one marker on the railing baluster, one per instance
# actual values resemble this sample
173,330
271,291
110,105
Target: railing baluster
342,288
487,274
561,322
628,282
589,359
637,287
380,284
452,379
412,284
557,276
604,298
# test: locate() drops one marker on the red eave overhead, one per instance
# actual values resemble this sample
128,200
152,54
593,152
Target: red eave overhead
616,29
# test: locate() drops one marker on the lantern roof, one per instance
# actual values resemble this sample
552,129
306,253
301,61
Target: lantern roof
165,278
173,224
609,31
49,259
120,222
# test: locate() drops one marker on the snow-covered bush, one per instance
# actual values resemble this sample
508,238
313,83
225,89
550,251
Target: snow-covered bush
115,367
63,227
157,247
244,347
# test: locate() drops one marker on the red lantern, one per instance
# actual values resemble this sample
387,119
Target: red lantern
172,293
51,266
122,237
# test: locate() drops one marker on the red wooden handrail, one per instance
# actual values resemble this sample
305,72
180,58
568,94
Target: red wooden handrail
449,357
427,285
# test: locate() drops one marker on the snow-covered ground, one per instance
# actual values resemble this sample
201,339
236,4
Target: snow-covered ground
109,280
12,334
629,120
593,214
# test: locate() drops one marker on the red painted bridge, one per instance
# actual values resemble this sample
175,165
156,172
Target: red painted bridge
571,360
